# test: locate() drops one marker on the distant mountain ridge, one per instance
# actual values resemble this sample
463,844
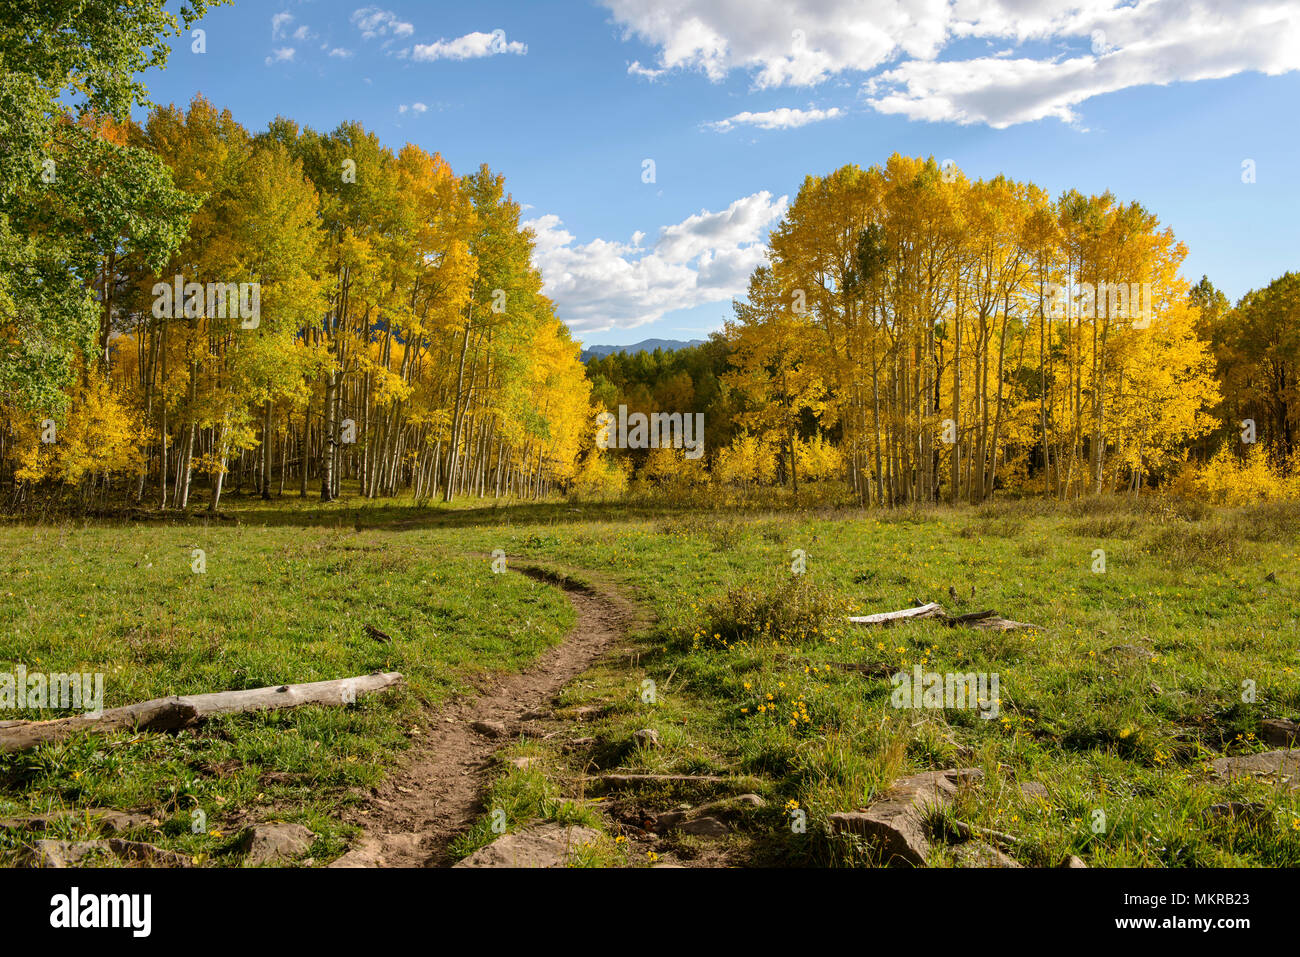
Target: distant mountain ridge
645,345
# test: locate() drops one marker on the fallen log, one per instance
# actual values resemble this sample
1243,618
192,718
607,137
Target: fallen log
160,715
885,618
168,714
989,619
969,618
339,691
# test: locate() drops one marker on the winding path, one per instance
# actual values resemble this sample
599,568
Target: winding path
435,793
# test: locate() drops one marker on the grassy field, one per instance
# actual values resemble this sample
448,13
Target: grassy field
1130,684
283,603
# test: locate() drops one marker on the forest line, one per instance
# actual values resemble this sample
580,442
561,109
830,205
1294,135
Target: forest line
401,339
302,309
925,337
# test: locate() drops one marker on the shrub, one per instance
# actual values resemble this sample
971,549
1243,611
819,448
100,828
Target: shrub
792,610
1229,480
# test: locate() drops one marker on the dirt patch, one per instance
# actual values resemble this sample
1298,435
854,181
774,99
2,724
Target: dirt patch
435,794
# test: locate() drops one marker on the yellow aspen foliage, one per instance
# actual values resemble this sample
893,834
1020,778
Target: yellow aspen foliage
1231,479
819,459
600,477
100,437
750,459
671,470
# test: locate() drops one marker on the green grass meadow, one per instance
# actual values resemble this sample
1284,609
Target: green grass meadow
1132,682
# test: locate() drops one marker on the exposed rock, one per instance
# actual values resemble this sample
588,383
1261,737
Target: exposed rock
646,738
703,827
1033,790
896,823
579,743
535,714
665,822
547,845
693,821
976,854
1284,765
1074,862
491,729
1281,732
377,851
71,853
274,842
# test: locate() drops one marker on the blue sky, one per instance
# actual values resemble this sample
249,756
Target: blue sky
735,101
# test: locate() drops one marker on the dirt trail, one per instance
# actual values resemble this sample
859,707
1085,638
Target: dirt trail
435,794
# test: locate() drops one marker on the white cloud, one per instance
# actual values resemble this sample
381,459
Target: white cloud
279,24
636,69
281,55
782,119
303,33
607,284
1136,46
783,42
1062,53
341,53
374,23
414,108
470,46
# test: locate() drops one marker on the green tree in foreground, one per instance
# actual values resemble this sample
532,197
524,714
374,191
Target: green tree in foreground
77,60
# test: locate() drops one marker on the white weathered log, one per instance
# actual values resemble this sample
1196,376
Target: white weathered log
988,620
931,610
339,691
166,714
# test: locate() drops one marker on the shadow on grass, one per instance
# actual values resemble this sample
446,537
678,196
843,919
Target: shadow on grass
362,515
